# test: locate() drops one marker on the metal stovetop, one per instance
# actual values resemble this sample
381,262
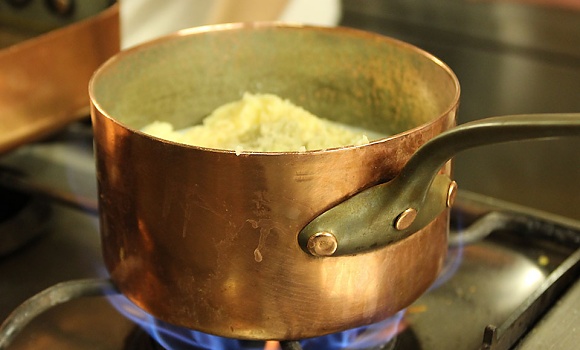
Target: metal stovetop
502,71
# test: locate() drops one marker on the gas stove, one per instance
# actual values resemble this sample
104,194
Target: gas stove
510,279
510,273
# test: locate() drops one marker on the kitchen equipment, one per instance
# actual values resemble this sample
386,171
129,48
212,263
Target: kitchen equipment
508,273
43,79
210,240
510,58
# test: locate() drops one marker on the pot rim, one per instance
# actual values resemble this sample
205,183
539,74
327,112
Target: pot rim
273,25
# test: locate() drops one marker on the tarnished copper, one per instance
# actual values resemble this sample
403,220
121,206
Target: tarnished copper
207,239
43,80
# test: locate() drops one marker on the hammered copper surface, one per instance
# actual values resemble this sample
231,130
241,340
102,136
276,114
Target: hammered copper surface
207,239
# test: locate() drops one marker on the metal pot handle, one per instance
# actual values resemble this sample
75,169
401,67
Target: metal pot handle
392,211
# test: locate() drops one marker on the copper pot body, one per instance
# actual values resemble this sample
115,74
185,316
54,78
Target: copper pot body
207,239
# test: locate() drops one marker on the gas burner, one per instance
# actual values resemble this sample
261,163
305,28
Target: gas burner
506,268
155,334
139,339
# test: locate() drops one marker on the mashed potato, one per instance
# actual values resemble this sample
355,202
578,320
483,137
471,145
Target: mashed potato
262,123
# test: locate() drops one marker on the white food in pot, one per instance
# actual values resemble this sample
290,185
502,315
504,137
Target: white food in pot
263,123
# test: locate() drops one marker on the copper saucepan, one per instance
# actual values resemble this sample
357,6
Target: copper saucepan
282,245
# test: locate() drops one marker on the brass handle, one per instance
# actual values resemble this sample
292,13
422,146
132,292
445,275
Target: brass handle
389,212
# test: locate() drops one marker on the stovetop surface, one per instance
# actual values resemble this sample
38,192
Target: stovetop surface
491,281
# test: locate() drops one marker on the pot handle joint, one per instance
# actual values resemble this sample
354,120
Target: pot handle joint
391,211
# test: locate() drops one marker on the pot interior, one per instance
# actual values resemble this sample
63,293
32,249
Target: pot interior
357,78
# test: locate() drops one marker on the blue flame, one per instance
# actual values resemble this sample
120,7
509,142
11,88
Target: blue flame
364,337
169,336
177,338
453,259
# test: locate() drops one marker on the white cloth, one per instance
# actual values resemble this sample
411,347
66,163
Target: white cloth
143,20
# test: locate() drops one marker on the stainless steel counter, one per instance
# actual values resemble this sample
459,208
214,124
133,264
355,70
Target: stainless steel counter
509,58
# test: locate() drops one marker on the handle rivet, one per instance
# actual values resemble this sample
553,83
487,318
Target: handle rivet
322,244
451,194
405,219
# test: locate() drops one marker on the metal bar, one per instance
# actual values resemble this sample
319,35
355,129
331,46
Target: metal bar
481,228
506,335
19,182
48,298
521,224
